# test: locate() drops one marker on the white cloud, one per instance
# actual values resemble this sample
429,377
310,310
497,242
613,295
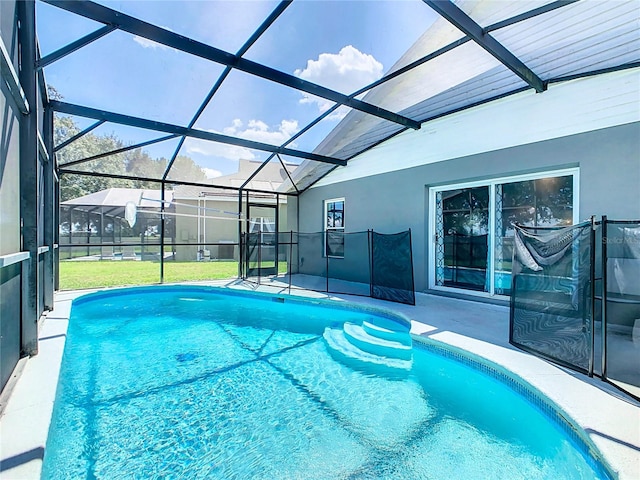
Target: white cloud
211,172
347,71
146,43
255,130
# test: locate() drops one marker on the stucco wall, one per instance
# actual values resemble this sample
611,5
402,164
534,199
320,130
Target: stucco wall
608,161
216,230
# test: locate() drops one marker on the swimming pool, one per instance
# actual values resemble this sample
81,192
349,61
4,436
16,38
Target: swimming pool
198,382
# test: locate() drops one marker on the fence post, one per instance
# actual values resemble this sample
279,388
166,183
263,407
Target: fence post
604,297
592,292
326,256
290,255
163,236
413,281
370,246
259,254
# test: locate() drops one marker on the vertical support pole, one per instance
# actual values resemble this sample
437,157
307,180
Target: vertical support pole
50,224
101,228
241,244
592,292
326,256
143,232
162,230
204,224
198,234
260,237
88,232
246,231
56,224
29,176
290,259
70,210
370,247
413,278
277,242
604,297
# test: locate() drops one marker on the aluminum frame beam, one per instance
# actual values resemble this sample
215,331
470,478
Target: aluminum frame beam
121,119
171,39
10,77
496,26
284,167
530,14
469,27
73,46
78,135
247,45
120,150
208,186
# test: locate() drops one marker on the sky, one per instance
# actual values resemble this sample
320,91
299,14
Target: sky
342,45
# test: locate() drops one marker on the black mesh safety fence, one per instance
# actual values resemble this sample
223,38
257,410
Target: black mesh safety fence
621,299
551,297
392,275
351,272
575,298
357,263
253,252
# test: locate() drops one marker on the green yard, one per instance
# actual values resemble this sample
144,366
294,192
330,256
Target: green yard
78,275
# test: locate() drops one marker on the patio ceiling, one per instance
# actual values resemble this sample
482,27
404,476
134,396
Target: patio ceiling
466,53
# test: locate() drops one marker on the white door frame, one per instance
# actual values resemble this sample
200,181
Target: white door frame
491,183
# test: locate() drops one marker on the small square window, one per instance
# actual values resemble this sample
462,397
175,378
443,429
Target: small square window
334,227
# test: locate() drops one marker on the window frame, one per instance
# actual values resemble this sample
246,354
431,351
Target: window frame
326,228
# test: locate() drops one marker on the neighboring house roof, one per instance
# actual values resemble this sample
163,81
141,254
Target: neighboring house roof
270,178
578,39
111,198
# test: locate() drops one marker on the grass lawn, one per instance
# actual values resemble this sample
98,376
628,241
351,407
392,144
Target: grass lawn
78,275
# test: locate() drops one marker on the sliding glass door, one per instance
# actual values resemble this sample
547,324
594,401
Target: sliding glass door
473,224
462,235
542,202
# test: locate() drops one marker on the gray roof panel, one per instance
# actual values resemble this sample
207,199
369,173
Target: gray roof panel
579,38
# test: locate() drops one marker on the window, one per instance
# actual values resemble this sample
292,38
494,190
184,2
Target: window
473,225
264,226
334,227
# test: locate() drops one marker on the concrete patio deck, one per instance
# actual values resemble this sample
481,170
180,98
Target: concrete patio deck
611,419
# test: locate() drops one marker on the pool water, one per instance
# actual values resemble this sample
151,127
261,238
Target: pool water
190,382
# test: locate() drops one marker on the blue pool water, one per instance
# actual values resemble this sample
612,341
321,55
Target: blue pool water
195,382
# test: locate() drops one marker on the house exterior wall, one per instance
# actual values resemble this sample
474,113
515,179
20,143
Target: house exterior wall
212,230
390,199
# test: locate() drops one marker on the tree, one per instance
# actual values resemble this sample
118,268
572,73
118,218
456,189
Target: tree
140,164
53,93
134,163
74,186
185,169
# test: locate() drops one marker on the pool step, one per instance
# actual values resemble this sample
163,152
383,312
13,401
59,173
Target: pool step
381,342
387,333
350,354
382,323
394,346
